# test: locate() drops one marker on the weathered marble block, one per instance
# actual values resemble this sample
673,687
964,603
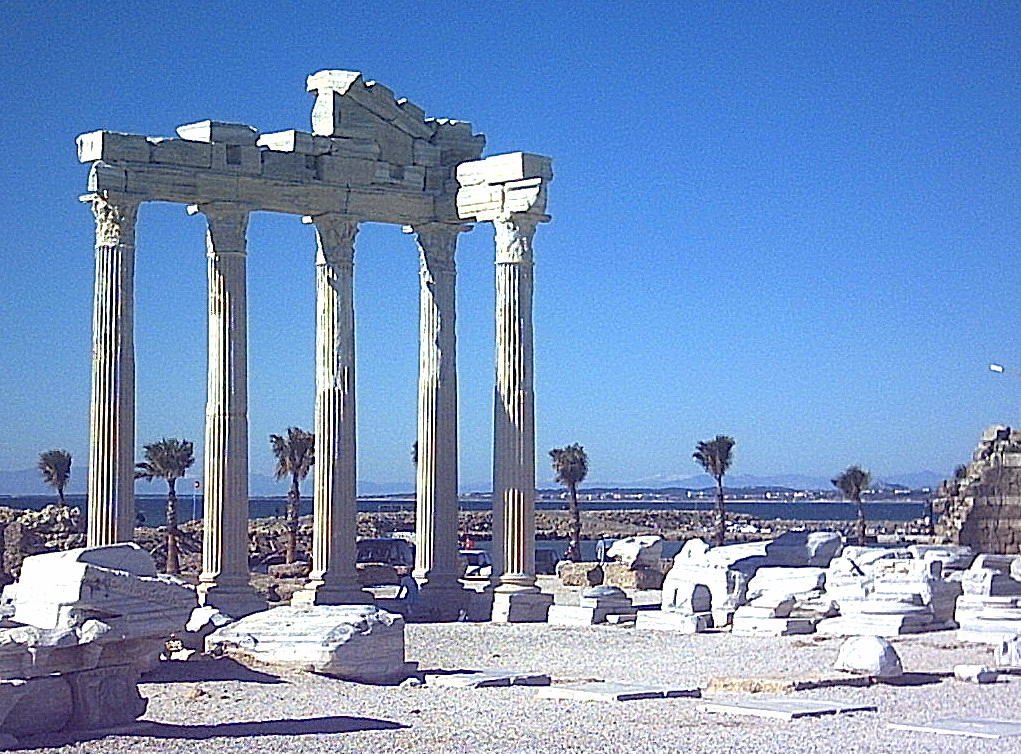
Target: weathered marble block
117,584
869,655
637,552
353,642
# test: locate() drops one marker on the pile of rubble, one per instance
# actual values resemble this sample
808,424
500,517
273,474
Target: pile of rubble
802,583
79,628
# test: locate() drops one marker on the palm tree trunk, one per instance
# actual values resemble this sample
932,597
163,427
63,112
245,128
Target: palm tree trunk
574,548
721,514
293,509
60,496
861,523
173,561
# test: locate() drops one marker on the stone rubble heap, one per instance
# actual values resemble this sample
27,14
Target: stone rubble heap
707,586
905,596
989,611
86,624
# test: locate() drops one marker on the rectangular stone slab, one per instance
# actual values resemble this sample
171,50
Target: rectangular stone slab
609,691
975,727
785,709
478,679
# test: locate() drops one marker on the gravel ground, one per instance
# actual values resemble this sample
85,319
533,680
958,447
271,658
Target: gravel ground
223,707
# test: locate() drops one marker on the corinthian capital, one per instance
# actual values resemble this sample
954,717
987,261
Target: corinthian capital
514,235
437,243
115,217
335,238
227,226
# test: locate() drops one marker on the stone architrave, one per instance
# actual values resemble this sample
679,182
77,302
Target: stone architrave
333,579
514,426
224,581
112,410
436,563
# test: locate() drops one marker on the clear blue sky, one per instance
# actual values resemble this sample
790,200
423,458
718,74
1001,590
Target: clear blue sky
794,223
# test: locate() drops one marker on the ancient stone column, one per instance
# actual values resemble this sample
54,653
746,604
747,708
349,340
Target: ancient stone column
111,516
436,562
516,597
333,579
224,581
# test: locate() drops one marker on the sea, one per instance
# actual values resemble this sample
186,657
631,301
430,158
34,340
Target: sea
151,508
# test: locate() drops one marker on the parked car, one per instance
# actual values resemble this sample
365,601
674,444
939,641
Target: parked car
384,561
546,560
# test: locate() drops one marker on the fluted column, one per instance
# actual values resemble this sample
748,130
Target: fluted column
514,416
333,579
436,564
111,514
224,581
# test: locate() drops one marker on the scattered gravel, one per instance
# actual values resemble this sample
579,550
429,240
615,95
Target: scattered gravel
223,707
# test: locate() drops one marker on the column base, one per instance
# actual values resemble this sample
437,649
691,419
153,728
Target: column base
521,607
439,603
318,593
236,601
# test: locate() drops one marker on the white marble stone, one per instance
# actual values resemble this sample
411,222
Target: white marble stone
118,583
1008,652
355,643
972,727
785,708
666,620
521,607
975,674
637,552
869,655
477,679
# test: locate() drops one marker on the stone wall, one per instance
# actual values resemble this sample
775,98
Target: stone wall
981,507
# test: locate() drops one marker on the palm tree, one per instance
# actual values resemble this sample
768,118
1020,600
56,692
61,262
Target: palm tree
571,465
56,468
295,455
168,459
715,457
851,482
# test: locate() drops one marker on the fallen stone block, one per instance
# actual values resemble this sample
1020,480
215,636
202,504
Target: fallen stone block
873,656
352,642
1008,652
637,552
975,674
477,679
744,625
666,620
973,727
622,577
579,574
786,709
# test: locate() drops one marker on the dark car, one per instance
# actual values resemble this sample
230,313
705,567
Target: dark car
546,560
398,553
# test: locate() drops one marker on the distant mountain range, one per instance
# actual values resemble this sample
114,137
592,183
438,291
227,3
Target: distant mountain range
29,482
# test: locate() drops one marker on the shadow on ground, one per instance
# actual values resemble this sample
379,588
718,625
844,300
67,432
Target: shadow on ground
223,669
291,727
916,679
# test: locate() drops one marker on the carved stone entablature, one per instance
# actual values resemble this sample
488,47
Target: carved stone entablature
368,156
504,185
